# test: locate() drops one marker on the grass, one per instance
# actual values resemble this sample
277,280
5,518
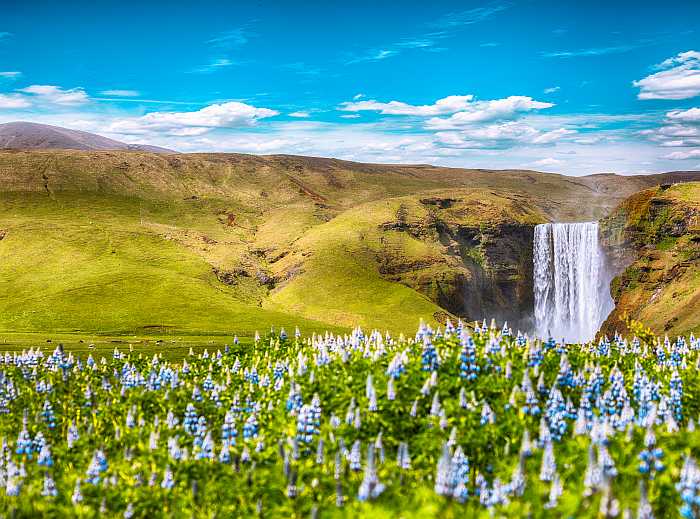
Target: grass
173,347
340,278
667,243
87,264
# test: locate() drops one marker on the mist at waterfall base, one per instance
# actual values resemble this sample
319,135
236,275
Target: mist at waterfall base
571,282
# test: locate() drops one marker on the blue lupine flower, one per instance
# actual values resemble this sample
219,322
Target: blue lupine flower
98,465
354,457
650,459
49,487
45,458
24,442
429,357
468,367
556,414
168,479
676,394
48,415
371,487
250,427
190,421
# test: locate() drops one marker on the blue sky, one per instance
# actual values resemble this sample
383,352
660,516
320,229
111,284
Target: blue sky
571,87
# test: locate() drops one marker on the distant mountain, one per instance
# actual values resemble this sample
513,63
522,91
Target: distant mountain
34,136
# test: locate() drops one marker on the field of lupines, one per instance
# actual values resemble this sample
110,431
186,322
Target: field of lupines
464,421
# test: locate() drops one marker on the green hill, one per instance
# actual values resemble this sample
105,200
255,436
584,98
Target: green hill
134,243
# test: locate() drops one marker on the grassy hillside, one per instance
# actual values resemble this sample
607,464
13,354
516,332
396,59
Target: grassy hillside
369,261
132,242
659,229
81,262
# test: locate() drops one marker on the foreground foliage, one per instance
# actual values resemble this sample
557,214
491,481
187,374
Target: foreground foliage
447,423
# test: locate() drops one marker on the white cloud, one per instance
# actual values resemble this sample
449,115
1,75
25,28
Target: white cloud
213,66
350,116
11,74
230,38
224,115
500,136
358,96
470,16
553,136
374,55
681,128
547,163
10,102
691,115
441,29
593,51
552,90
378,142
121,93
300,114
52,94
485,111
445,105
683,155
679,78
589,141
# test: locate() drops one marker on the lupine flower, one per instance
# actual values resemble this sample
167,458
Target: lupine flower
676,394
487,415
403,459
555,492
49,488
429,357
650,459
548,469
354,458
168,480
468,368
77,496
98,465
250,427
13,479
48,415
371,487
45,458
24,442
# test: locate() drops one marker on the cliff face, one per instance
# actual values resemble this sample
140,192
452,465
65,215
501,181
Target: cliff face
495,282
483,263
653,239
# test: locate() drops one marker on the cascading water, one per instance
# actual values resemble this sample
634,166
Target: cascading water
571,282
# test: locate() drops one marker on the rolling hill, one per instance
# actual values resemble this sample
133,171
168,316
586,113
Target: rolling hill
129,241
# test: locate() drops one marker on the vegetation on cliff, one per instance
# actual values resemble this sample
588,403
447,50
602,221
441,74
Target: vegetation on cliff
655,235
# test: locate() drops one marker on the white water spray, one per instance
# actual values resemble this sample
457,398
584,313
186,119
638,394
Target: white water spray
571,282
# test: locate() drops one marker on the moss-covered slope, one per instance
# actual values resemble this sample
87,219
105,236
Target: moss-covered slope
656,234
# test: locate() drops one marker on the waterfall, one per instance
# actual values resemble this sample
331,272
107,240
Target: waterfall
571,282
